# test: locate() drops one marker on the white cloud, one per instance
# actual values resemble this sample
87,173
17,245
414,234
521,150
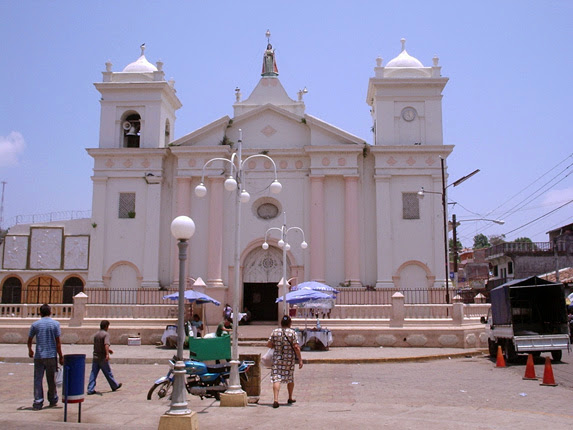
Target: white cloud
555,197
11,147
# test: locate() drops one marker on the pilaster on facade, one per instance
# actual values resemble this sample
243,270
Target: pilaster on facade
317,230
352,232
215,234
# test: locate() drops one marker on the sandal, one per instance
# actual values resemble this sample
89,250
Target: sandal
291,401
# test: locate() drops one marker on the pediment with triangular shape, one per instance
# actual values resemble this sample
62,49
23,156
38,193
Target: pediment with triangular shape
269,127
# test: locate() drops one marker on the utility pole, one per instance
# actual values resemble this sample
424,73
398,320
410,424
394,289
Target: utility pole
455,251
2,205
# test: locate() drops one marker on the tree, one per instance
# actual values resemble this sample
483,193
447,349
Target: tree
481,241
497,239
523,240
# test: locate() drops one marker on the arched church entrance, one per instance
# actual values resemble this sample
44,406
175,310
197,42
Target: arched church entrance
262,271
44,289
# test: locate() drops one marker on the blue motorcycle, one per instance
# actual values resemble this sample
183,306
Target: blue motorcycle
203,380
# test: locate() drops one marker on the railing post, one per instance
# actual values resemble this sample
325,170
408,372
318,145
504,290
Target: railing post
458,314
79,311
480,298
398,310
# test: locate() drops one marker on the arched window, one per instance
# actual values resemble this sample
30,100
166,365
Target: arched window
131,131
72,286
12,291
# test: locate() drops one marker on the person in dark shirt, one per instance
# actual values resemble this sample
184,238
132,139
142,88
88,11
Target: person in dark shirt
100,361
224,328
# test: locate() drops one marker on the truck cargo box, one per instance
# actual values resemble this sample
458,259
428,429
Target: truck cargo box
533,306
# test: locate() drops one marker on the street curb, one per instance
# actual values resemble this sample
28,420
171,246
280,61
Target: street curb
467,354
154,361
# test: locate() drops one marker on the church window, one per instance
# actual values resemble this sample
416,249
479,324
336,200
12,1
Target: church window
410,206
12,291
131,131
267,211
126,205
72,286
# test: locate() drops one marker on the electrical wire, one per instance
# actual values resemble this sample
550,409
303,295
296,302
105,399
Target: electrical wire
538,218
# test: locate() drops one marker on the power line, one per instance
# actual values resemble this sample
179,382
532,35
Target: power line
538,218
529,185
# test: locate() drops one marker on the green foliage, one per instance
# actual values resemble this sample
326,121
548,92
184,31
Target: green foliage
481,241
497,239
226,141
523,240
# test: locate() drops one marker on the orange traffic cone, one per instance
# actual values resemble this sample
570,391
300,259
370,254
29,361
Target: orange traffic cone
500,362
530,369
548,378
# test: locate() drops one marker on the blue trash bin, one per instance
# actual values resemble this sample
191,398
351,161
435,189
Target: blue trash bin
74,378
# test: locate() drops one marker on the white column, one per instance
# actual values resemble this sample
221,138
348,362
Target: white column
150,268
97,237
317,251
384,238
182,207
215,233
351,232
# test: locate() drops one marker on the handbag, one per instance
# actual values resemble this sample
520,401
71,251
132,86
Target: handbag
267,358
288,340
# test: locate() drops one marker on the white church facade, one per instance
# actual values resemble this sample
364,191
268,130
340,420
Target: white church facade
355,199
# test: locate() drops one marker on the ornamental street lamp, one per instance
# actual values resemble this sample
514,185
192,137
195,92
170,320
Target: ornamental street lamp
455,239
283,243
234,182
182,228
421,194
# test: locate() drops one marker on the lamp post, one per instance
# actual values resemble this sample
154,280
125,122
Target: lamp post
455,239
283,243
234,182
182,228
445,216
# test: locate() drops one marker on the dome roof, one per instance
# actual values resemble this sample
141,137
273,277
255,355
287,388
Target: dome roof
404,59
141,65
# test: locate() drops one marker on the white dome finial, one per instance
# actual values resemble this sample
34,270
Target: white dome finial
403,41
142,49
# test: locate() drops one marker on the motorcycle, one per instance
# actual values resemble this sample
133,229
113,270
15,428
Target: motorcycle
203,380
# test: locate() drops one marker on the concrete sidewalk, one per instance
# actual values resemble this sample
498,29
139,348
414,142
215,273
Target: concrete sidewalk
461,393
149,354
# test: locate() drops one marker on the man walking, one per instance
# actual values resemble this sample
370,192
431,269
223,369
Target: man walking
48,349
100,361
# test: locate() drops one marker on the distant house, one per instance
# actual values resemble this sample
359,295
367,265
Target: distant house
516,260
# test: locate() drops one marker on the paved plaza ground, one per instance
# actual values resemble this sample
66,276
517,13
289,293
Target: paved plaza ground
393,388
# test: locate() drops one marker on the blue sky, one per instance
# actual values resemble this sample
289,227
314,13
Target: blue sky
506,107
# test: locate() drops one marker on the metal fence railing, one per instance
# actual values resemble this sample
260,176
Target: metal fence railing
383,296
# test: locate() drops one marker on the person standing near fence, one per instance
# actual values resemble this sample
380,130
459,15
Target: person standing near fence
100,361
48,349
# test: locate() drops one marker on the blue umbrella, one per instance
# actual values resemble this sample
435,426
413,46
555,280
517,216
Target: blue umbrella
303,295
316,286
193,296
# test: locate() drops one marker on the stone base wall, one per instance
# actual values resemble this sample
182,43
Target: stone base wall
413,336
374,335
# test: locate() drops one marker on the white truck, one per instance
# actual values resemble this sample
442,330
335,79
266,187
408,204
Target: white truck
528,316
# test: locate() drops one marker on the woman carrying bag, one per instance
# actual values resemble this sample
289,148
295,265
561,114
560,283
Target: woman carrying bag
286,350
